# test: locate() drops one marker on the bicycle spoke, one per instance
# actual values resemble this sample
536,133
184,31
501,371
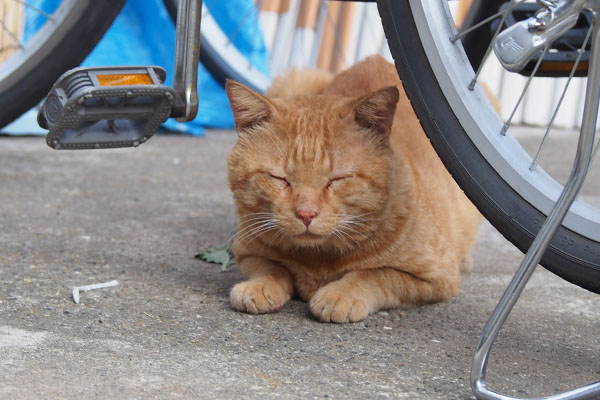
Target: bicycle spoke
512,114
11,34
236,30
481,23
37,9
513,3
9,42
535,161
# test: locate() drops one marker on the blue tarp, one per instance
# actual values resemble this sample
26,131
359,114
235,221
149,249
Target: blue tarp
144,34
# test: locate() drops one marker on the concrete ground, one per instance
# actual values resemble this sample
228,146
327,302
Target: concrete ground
167,331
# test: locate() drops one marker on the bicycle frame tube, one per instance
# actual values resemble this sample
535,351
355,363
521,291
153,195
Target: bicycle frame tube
187,54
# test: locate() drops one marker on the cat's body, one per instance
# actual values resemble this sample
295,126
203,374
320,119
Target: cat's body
343,201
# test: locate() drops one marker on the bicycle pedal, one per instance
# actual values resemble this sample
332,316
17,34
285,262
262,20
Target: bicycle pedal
106,107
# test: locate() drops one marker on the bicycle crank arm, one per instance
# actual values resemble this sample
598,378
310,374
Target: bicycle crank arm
187,56
106,107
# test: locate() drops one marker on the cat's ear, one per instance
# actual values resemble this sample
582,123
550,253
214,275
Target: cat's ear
376,110
249,107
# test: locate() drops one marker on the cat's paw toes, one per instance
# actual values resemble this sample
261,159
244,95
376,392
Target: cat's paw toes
258,297
329,306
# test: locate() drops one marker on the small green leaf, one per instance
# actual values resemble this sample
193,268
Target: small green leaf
218,255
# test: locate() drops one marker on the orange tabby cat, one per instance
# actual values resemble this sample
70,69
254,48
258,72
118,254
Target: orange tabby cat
342,200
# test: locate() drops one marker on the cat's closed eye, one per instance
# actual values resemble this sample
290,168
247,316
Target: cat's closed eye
335,179
282,179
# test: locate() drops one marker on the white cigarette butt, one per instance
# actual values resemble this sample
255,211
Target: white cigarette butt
94,286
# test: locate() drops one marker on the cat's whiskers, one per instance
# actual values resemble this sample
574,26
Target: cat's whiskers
255,224
359,225
355,223
235,230
359,219
360,215
253,221
256,231
341,249
345,235
257,214
349,228
255,217
354,226
247,227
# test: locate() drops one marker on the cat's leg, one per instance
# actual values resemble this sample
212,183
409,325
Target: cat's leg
359,293
268,288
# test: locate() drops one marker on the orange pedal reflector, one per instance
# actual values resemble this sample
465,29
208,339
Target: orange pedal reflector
124,79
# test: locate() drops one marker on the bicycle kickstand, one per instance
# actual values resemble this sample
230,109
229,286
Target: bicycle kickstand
109,107
544,236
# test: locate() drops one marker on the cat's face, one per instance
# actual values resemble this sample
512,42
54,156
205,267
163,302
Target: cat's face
311,171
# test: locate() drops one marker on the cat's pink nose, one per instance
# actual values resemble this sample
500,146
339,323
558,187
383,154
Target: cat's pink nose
306,215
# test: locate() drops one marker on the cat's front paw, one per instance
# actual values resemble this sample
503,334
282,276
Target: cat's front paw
330,305
258,297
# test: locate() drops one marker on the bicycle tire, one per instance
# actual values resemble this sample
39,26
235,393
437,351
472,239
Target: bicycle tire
222,60
570,255
26,81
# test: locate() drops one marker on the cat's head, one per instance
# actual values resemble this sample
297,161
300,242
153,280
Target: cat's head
311,170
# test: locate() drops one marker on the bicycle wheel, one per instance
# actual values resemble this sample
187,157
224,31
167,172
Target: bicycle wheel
68,32
492,169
